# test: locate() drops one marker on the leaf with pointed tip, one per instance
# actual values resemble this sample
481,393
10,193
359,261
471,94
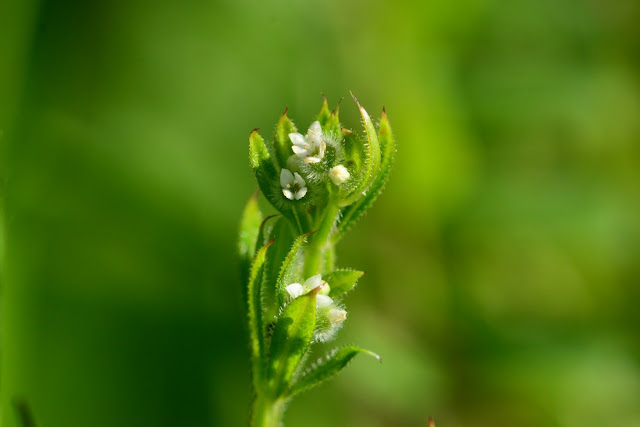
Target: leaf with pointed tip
264,169
248,234
342,281
351,214
254,314
291,338
282,142
371,162
326,368
291,269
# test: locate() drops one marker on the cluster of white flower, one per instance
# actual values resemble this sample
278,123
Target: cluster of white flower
308,149
335,315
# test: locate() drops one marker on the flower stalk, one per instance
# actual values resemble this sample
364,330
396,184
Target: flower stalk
320,183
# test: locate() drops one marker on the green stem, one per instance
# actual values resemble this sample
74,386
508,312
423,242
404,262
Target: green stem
319,241
267,412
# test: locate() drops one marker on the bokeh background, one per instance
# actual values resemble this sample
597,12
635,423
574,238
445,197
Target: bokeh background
503,258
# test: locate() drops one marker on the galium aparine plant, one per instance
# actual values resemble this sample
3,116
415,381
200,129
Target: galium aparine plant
321,182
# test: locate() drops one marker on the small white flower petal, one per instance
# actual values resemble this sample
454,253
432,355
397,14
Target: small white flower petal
298,179
300,193
298,139
336,316
300,152
313,282
316,128
286,178
323,301
287,193
294,290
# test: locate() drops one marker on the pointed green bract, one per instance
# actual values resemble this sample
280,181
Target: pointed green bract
254,314
342,281
371,162
248,234
282,142
351,214
326,367
291,337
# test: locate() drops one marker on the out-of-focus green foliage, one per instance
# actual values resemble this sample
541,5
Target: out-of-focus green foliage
502,256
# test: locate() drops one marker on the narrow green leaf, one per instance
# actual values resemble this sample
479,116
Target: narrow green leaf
254,314
248,234
282,142
283,235
291,338
342,281
291,269
351,214
264,169
326,367
372,158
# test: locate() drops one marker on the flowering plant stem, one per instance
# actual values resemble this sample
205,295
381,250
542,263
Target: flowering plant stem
321,183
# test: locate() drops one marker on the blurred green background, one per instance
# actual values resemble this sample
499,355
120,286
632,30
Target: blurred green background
503,258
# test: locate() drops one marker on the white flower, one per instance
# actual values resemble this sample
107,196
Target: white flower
293,186
309,149
323,301
339,174
337,316
294,290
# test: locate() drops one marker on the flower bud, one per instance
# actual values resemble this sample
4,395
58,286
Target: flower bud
337,316
339,174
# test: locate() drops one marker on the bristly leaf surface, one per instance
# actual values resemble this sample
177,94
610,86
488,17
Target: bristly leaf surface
325,368
254,314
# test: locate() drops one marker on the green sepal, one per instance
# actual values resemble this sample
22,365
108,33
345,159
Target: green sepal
264,168
291,269
291,338
325,368
371,162
342,281
332,126
325,113
254,315
282,142
250,225
351,214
